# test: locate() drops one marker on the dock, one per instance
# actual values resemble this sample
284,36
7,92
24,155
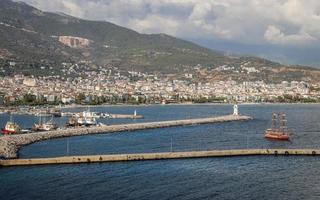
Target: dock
123,116
158,156
109,115
10,144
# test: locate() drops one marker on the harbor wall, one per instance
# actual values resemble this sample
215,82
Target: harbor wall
157,156
10,144
122,116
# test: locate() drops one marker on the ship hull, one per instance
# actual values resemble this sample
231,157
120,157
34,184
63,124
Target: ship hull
44,127
277,135
8,132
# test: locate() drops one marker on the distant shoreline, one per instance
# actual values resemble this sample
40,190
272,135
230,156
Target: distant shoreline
145,105
182,104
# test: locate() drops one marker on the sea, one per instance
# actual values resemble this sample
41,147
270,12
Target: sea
252,177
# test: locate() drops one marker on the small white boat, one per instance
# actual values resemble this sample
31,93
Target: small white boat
39,114
105,115
86,121
86,118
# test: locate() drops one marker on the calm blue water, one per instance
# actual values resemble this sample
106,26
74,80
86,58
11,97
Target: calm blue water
211,178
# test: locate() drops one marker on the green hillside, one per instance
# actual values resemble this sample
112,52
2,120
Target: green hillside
30,38
158,52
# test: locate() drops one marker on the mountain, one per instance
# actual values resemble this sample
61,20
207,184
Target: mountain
35,40
29,33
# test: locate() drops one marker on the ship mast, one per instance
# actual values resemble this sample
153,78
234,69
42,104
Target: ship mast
274,121
283,122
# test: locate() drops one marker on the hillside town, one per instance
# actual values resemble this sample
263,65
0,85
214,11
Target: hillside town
140,88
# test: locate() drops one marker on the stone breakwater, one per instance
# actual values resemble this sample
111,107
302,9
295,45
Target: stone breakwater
158,156
10,144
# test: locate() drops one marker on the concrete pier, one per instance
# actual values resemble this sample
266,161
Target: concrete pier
122,116
157,156
9,145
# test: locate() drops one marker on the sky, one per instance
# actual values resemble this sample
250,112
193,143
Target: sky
287,31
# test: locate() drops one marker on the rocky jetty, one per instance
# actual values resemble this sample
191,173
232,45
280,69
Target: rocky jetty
10,144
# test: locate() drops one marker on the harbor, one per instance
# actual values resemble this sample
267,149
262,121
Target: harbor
158,156
138,100
75,119
58,111
195,173
10,144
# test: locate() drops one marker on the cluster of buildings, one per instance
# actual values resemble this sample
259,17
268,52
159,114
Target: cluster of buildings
143,88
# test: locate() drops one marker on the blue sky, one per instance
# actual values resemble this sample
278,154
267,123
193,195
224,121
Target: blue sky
283,30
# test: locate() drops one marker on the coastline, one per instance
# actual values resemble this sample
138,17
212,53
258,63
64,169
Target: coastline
178,104
16,109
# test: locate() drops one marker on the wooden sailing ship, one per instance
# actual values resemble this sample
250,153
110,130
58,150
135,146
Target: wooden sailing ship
279,129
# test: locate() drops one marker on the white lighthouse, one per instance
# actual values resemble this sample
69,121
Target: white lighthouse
235,109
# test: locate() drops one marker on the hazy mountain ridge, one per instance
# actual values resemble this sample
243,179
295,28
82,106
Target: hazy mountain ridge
31,37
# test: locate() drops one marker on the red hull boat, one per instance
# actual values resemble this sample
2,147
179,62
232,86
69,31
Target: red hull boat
8,132
278,133
11,128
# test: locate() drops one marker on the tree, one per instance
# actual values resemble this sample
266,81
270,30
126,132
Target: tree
29,98
80,98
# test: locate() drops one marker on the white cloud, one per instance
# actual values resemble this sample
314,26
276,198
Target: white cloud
72,7
275,36
277,22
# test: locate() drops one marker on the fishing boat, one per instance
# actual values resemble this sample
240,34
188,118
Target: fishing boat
275,132
86,118
86,121
11,128
48,126
45,126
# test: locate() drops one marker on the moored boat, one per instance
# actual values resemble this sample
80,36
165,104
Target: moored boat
42,114
86,121
47,126
11,128
86,118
